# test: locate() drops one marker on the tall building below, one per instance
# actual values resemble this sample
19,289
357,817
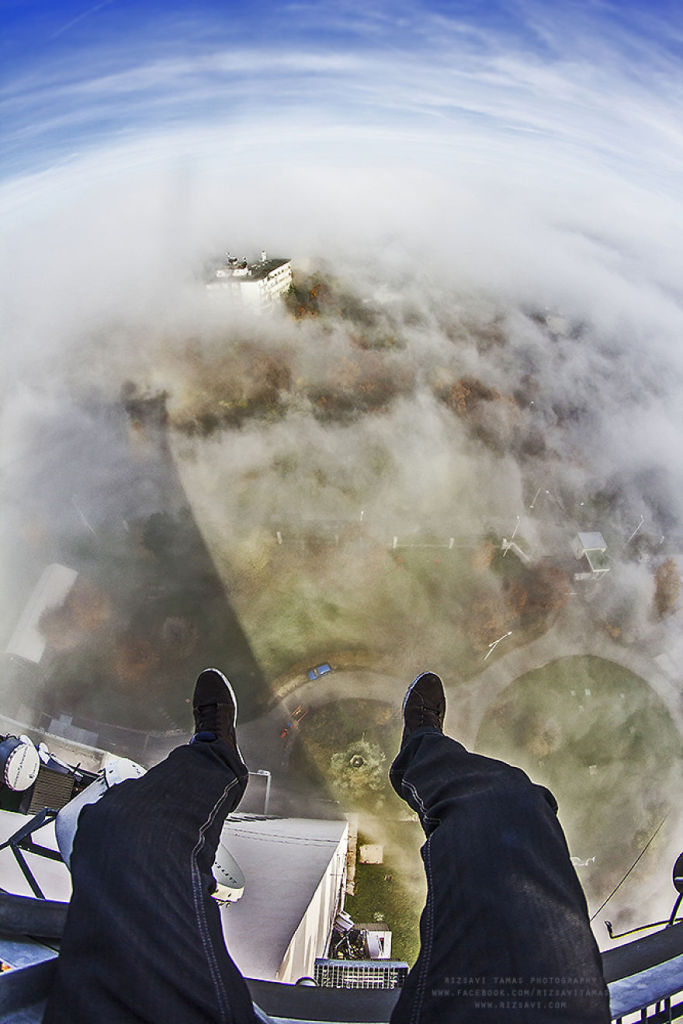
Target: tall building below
295,871
255,284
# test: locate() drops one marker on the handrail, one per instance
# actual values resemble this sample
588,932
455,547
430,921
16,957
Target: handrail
643,976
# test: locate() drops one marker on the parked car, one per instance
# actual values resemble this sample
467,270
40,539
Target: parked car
319,670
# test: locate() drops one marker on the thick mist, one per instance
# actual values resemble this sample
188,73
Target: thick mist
485,342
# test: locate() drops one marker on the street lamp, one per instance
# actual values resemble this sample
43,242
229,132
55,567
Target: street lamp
265,774
508,543
640,523
494,644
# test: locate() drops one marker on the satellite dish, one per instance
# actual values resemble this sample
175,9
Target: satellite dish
229,876
19,763
678,874
227,872
116,770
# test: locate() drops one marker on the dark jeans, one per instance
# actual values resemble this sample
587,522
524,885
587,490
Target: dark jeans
504,935
505,913
143,939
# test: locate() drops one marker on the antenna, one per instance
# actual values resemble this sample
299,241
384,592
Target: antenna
619,885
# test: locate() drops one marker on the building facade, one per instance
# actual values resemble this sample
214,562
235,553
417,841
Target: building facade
254,285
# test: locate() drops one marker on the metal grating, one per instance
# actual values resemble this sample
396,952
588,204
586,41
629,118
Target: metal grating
51,789
360,973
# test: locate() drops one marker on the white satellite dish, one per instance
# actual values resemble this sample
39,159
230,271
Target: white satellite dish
227,872
115,770
229,876
19,763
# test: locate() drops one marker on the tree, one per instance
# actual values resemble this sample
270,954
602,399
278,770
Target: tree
667,587
487,618
465,394
135,657
85,609
179,636
547,591
483,555
358,768
160,533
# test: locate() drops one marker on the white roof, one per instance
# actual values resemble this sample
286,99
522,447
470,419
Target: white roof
592,541
50,591
284,860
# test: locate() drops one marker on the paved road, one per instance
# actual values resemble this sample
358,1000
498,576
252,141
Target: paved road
573,634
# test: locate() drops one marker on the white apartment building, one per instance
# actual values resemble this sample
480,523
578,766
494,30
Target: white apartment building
255,284
295,870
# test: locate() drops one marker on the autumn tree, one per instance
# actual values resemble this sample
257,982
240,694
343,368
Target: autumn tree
487,618
667,587
539,734
85,609
547,591
483,555
136,656
358,768
465,394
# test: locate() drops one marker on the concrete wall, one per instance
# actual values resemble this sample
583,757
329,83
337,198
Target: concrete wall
311,937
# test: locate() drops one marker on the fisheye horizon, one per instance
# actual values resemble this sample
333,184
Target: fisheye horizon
454,444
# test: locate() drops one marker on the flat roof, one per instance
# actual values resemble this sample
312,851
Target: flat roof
52,875
256,271
51,591
592,541
283,860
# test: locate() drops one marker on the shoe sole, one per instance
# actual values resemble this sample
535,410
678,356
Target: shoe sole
228,686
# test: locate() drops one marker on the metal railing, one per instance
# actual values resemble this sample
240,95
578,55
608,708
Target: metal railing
645,981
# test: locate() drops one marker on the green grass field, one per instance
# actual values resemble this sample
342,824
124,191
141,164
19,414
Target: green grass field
604,743
406,607
393,892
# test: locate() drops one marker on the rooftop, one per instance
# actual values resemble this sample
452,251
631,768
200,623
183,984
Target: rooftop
241,270
284,860
592,541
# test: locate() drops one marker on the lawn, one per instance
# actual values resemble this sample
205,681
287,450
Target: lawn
406,607
604,743
393,892
395,889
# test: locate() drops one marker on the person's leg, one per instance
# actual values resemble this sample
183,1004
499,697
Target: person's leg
504,934
143,940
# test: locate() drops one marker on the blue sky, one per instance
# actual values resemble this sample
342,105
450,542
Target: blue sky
520,128
78,76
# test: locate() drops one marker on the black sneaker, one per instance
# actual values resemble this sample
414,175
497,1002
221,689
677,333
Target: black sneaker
215,708
424,704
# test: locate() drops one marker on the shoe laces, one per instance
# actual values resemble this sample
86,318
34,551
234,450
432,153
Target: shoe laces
427,709
216,718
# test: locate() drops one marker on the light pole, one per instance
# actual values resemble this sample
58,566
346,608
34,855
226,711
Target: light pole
640,523
266,774
508,543
533,500
492,646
